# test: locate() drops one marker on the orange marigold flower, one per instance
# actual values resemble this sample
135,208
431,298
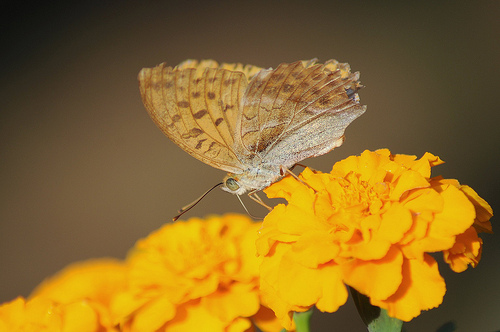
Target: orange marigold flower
76,299
369,224
195,275
41,314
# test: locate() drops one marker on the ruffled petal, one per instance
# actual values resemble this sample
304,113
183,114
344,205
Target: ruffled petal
377,278
422,288
466,251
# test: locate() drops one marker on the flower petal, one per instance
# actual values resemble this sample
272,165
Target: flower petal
457,215
384,275
266,320
484,212
153,315
422,288
315,248
333,291
466,251
222,303
407,181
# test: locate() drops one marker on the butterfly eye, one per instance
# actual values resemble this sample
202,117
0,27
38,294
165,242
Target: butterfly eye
232,184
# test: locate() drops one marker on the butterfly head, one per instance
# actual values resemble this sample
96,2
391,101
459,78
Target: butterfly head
233,186
252,179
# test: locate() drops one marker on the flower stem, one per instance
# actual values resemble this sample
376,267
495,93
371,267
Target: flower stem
302,320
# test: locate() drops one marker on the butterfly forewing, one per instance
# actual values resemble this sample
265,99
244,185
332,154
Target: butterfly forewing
196,109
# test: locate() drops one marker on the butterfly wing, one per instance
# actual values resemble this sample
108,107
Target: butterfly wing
196,105
297,111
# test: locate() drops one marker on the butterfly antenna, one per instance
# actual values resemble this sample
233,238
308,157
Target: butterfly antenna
242,204
192,204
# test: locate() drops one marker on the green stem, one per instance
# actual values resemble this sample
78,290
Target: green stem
302,320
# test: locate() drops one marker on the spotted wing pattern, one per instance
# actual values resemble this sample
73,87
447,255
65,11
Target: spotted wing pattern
197,105
297,111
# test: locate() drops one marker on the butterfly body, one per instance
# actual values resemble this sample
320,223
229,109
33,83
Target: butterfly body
251,122
253,179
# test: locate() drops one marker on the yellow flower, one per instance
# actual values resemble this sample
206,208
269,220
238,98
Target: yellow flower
369,224
76,299
41,314
193,276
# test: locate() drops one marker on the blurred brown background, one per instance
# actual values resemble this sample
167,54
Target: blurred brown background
85,173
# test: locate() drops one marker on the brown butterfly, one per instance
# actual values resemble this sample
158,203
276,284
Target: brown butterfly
251,122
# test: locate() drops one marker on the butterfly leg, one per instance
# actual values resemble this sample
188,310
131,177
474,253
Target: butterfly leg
253,195
304,166
248,212
286,170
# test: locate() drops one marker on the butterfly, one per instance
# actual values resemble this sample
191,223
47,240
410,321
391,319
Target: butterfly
251,122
